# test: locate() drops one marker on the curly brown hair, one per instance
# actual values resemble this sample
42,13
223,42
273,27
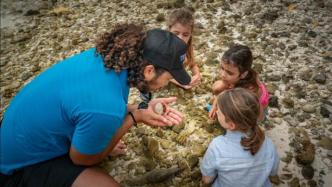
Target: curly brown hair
122,49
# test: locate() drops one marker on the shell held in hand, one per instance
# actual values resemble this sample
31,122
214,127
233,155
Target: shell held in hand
160,108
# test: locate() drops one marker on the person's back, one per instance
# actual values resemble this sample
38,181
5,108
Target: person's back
236,167
42,120
244,156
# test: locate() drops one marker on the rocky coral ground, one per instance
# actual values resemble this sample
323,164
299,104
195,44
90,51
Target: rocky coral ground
291,41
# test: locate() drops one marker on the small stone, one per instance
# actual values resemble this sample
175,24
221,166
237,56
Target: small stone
312,33
275,179
292,47
3,62
308,172
294,182
312,183
270,15
307,155
271,88
309,108
154,176
198,149
35,68
149,164
221,27
166,144
160,133
329,153
273,101
329,87
178,128
325,110
178,3
320,78
31,12
282,46
288,102
300,94
287,77
140,131
305,74
325,143
288,158
286,176
273,77
193,161
196,174
153,147
26,76
160,18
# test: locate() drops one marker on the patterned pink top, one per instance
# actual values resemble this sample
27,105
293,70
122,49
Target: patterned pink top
264,99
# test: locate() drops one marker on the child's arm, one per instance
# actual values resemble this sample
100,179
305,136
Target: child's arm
196,78
207,179
218,87
208,167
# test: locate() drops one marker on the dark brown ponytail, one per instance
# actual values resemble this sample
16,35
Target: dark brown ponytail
254,140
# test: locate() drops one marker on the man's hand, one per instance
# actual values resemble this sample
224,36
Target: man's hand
119,149
169,118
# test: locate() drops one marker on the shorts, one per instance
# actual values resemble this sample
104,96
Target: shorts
59,171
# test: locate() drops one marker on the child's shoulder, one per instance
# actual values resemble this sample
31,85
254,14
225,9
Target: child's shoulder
218,141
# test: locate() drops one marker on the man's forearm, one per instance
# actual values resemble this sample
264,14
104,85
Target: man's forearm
127,123
88,160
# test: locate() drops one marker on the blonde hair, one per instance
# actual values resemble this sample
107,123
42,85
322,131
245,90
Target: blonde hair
185,17
241,107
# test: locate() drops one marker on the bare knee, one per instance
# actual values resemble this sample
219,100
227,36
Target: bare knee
94,177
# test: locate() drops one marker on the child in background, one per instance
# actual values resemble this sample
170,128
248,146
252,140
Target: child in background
181,23
236,71
244,156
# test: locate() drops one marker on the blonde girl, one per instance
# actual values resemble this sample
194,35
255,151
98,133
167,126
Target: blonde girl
181,23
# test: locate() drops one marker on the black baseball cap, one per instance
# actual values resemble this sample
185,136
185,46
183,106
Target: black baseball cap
164,49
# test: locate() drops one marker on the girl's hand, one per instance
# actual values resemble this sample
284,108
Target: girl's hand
213,111
169,118
195,80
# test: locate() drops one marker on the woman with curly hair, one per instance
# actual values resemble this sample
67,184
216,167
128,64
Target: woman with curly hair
73,115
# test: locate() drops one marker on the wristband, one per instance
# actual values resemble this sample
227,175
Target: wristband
133,118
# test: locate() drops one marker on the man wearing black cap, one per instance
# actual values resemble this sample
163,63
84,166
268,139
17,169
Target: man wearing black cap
73,115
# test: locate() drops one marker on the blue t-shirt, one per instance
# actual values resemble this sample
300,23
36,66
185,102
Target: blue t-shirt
76,102
232,166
